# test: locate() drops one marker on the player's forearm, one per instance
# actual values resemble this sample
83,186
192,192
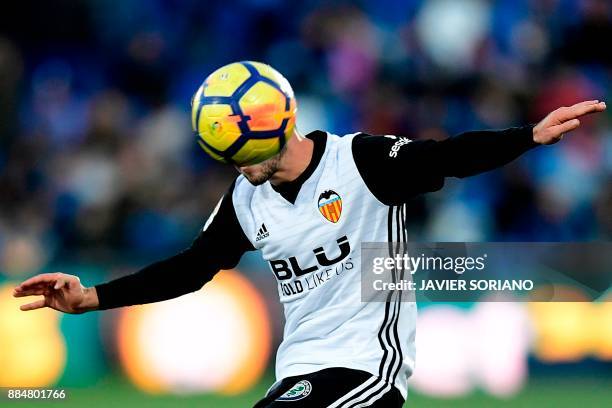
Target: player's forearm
173,277
396,169
219,245
476,152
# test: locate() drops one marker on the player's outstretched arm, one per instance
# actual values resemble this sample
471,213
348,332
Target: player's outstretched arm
397,168
219,245
472,153
60,292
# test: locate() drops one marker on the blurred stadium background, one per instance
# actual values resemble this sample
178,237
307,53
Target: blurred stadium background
99,175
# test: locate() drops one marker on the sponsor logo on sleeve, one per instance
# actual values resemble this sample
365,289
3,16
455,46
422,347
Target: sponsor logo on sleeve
398,145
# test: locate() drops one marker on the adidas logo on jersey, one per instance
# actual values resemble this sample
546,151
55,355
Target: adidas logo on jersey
262,233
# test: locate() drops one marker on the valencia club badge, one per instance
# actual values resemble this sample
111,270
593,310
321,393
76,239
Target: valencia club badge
330,205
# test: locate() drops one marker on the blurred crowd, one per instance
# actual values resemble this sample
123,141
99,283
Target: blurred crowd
97,158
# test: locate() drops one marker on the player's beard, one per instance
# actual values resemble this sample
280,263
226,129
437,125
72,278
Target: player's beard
258,174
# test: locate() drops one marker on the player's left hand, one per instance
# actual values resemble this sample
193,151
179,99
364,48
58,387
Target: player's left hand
565,119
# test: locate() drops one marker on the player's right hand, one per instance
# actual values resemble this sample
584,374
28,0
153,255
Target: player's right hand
61,292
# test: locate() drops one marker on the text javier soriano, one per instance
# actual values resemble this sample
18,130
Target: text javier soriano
396,273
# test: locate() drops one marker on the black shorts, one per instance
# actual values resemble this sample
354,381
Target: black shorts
333,388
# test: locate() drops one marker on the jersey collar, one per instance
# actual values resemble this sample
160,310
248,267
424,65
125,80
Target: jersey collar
290,189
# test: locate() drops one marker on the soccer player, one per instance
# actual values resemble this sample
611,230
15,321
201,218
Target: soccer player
307,209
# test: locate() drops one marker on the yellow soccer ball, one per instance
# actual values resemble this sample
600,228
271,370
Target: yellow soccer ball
243,113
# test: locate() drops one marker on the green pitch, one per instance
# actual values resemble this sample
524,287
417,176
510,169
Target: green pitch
558,393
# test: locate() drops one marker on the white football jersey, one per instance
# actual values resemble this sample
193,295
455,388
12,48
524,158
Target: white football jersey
310,231
313,249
